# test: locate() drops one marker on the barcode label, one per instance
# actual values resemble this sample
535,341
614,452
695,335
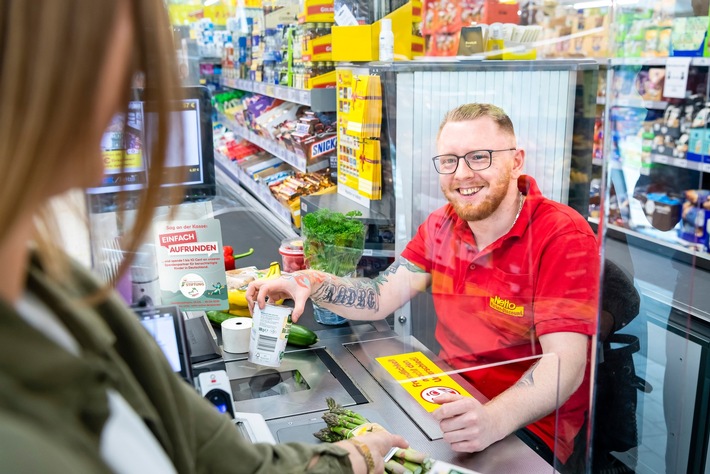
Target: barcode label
266,343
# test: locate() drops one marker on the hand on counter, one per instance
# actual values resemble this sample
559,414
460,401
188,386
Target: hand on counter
466,423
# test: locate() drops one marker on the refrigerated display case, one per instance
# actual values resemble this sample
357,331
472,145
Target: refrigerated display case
655,177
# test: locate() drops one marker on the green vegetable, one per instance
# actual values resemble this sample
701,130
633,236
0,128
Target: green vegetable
340,425
218,317
341,422
334,407
333,242
411,455
301,336
331,419
412,460
394,467
327,436
413,467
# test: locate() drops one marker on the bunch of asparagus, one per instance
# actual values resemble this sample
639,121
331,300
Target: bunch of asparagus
408,461
342,423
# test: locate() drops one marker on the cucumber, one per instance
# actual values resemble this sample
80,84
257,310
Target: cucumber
218,317
301,336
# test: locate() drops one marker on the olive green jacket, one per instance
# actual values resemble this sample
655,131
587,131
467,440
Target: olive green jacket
53,405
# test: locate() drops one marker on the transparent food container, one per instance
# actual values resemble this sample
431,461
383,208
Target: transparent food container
291,251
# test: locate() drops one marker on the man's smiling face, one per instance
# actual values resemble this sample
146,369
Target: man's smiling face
476,195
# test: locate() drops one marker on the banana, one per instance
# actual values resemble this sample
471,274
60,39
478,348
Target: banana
243,312
274,270
238,298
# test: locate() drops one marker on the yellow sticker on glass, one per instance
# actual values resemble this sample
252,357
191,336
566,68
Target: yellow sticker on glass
421,378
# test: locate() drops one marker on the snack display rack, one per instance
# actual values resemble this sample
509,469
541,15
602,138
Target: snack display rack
663,149
298,162
261,192
321,100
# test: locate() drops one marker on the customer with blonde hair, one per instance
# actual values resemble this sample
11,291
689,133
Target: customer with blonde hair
83,388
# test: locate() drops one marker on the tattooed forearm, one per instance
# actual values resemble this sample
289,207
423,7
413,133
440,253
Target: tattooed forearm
392,269
359,294
527,379
410,266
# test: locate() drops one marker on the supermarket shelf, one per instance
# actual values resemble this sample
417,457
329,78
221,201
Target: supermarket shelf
260,192
641,104
272,147
700,258
320,100
681,163
377,253
654,61
657,245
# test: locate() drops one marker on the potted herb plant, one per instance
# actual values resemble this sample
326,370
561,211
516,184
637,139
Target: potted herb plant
333,243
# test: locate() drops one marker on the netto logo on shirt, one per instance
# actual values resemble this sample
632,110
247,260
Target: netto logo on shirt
506,307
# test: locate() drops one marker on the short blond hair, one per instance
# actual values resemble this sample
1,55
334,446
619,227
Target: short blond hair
473,111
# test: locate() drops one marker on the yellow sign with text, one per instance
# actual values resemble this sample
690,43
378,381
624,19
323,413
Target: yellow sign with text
113,159
422,378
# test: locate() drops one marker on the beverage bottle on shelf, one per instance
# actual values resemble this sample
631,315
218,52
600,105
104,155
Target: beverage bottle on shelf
386,40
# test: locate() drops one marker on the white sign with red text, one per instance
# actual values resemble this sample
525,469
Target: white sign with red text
191,265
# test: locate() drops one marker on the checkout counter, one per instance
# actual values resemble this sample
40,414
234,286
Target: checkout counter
342,365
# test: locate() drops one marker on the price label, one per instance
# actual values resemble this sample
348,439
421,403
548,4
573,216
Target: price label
367,252
664,160
291,95
270,90
304,97
676,82
706,167
680,162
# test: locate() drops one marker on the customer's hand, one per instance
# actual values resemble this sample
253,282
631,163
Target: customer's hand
297,286
466,423
379,443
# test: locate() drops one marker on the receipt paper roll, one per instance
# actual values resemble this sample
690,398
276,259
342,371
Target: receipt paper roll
235,335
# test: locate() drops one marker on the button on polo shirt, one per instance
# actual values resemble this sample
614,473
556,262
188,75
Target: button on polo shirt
492,305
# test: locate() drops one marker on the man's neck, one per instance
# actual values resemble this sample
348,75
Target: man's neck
492,228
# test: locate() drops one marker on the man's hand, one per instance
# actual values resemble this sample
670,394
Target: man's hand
297,286
466,423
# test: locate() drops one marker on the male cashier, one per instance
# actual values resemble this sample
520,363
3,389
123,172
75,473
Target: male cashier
512,275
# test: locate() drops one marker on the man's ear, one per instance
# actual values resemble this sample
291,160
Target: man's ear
518,163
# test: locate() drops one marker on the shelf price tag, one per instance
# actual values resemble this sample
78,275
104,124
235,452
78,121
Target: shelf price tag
676,77
662,159
680,162
705,167
291,94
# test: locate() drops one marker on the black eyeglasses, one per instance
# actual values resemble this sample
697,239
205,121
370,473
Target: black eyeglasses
477,160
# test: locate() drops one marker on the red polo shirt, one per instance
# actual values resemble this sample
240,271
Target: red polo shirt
493,304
